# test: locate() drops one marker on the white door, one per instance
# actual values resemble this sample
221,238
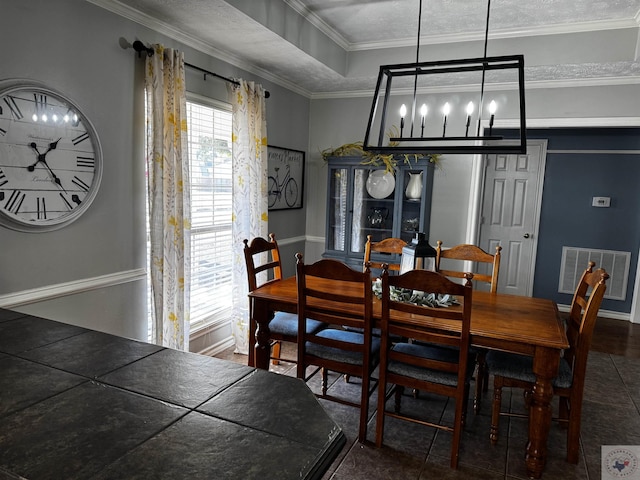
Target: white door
511,213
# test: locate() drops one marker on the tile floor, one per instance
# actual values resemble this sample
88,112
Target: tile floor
611,416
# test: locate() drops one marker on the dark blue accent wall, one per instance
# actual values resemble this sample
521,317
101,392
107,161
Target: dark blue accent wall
575,173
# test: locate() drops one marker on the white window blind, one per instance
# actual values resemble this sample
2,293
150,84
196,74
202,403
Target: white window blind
209,146
209,130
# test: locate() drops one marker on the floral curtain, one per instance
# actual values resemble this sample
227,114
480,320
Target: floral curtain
168,195
250,209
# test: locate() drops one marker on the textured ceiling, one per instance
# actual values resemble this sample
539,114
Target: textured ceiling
334,47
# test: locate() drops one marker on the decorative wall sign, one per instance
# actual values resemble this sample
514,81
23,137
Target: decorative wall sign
286,177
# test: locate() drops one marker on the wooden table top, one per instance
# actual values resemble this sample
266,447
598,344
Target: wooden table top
508,322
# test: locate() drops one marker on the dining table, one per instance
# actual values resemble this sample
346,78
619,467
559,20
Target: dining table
511,323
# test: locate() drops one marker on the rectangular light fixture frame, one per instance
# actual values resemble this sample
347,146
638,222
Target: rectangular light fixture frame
456,144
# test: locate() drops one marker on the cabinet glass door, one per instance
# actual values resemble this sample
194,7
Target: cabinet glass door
373,204
412,204
337,214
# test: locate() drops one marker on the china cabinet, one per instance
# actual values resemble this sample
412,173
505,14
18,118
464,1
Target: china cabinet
365,200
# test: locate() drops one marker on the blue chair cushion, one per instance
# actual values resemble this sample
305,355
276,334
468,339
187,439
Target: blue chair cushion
284,323
339,355
520,367
433,352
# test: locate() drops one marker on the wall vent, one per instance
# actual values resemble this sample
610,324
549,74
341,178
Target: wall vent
575,260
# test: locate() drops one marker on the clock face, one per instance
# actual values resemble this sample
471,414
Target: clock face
50,158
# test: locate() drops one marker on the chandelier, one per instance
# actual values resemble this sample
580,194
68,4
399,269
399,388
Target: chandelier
461,124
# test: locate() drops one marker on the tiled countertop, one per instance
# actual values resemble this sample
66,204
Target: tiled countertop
81,404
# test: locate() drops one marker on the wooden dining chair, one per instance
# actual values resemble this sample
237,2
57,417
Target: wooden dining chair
262,259
486,269
334,348
516,371
389,246
441,363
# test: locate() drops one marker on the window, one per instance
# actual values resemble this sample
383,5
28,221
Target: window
209,130
209,146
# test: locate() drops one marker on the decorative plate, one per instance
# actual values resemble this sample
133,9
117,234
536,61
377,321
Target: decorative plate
380,183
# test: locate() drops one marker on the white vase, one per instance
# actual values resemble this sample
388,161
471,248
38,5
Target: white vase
414,186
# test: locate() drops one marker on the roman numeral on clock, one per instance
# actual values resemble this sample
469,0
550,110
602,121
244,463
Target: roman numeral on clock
80,138
13,107
14,202
40,101
42,209
80,184
86,162
3,179
3,132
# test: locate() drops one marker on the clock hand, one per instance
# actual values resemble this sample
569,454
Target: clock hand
55,178
41,156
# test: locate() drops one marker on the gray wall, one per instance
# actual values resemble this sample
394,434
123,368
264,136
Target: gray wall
92,272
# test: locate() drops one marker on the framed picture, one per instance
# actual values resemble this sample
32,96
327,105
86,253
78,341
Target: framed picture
286,177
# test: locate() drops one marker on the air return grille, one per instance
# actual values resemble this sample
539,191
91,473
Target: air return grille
575,260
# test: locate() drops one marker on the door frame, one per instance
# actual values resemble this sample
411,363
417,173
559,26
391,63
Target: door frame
477,179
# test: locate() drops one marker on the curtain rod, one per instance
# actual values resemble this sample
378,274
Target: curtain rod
140,47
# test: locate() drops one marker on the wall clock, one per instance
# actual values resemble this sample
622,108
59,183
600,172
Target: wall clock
50,158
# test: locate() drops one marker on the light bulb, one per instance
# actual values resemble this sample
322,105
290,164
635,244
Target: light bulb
446,109
493,107
470,108
34,117
403,110
55,117
423,110
66,118
44,117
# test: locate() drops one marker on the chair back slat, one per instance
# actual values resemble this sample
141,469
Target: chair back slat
470,253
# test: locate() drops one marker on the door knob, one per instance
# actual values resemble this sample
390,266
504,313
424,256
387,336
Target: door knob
526,235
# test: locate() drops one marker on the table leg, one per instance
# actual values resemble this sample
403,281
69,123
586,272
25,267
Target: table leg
252,335
262,334
545,367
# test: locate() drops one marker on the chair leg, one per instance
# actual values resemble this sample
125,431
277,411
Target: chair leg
495,412
275,353
573,432
398,398
325,380
457,434
364,409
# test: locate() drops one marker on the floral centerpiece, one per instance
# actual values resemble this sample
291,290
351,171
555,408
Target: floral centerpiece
414,296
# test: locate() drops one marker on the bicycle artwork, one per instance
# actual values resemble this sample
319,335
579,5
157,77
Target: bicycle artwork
286,174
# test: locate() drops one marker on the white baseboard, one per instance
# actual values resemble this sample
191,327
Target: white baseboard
49,292
602,313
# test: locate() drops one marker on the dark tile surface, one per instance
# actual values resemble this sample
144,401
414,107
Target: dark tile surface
77,433
135,419
611,416
23,383
254,455
26,333
6,315
286,397
182,378
91,353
